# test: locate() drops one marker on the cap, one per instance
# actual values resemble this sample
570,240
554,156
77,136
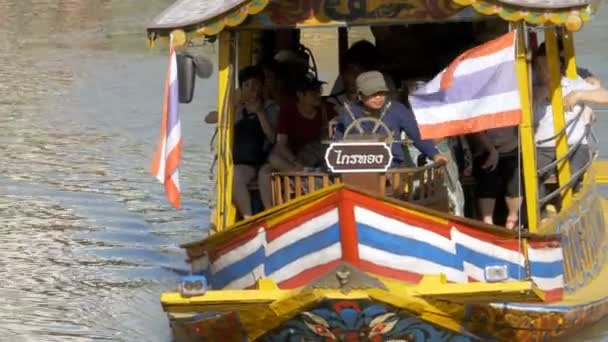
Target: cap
308,82
371,82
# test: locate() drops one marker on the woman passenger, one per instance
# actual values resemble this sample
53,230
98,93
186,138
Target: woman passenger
496,170
254,134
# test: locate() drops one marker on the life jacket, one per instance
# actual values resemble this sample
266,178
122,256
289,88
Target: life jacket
249,141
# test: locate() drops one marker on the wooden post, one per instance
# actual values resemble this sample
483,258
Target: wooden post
559,120
225,212
526,132
569,56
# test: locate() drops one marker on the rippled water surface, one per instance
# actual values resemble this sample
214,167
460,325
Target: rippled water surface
87,241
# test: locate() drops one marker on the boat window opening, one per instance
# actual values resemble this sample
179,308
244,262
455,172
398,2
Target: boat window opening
413,58
417,183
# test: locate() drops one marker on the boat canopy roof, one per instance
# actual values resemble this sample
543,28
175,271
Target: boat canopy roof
209,17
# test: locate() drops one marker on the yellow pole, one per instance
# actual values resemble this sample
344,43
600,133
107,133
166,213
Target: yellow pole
526,131
245,46
559,120
225,211
569,55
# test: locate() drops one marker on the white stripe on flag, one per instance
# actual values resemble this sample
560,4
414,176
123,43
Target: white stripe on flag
474,108
472,65
175,179
469,66
174,137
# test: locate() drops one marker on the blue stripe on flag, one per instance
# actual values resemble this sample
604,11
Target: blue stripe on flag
481,260
238,269
400,245
547,269
302,247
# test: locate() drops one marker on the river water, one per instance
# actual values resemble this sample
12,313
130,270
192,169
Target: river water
87,240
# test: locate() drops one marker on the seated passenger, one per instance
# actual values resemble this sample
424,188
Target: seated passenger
578,93
496,170
372,90
302,125
254,133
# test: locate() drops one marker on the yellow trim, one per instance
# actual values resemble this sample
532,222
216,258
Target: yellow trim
266,307
528,145
601,174
225,212
233,18
245,46
569,55
559,120
572,17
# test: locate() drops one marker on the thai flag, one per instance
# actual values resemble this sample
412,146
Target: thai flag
169,150
476,92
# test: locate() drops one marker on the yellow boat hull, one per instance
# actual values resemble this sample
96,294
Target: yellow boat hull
262,292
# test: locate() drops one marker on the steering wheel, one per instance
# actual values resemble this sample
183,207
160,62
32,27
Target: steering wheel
356,128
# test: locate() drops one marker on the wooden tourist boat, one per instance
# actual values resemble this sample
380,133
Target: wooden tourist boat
377,256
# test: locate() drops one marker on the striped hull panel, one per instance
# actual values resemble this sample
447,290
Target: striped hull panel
378,238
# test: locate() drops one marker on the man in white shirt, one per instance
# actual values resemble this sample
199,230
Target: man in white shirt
577,93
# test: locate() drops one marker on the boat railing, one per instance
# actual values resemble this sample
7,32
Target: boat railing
422,185
589,134
287,186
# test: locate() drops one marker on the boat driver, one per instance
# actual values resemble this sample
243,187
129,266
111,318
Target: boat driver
373,101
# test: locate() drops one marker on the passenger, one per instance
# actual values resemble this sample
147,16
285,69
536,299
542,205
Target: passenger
254,134
302,125
372,101
457,150
578,93
597,95
362,56
292,66
496,170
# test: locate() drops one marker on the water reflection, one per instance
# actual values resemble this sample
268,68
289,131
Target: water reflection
88,242
87,239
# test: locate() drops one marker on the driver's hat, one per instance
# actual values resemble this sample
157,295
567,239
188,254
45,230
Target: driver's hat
370,83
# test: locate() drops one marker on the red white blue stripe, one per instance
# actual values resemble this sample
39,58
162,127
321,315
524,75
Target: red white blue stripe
240,265
476,92
547,267
168,153
391,244
286,253
388,242
303,246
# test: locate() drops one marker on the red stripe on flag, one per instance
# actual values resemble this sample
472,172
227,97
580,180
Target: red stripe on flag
164,165
173,160
172,193
163,121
